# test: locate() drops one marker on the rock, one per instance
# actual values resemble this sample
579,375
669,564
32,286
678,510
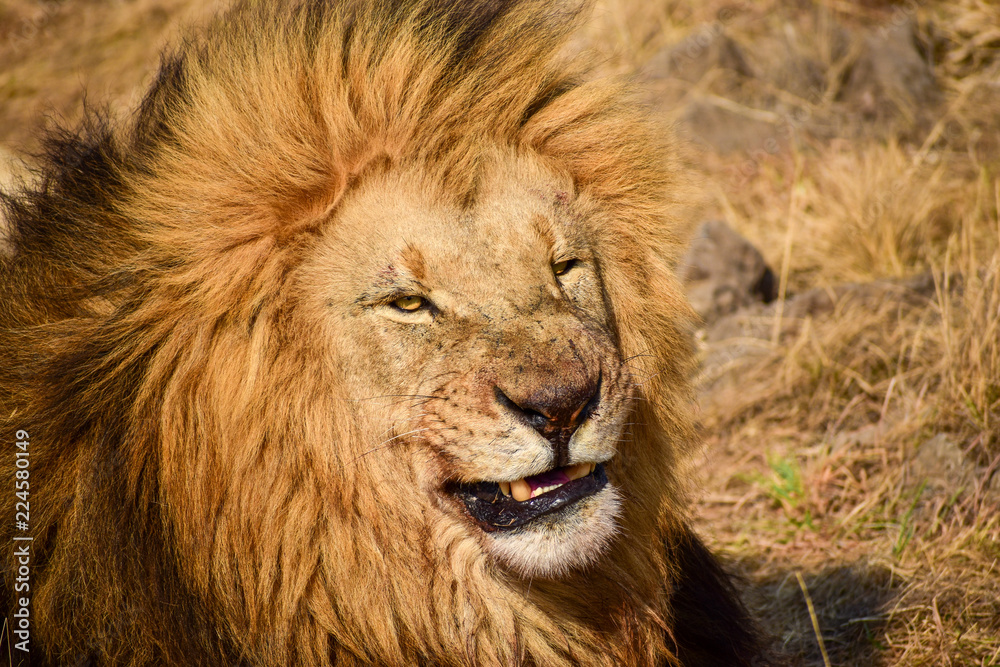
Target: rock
726,131
757,320
706,53
724,272
733,339
891,80
705,49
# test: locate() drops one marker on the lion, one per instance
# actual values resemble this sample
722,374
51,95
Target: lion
359,343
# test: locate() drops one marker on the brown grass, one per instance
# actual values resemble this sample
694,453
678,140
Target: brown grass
854,432
856,443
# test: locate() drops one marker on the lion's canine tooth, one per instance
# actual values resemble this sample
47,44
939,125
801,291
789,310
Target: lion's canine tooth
505,488
579,471
521,490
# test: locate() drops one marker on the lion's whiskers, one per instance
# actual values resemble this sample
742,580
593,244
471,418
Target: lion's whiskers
408,420
636,356
649,378
389,441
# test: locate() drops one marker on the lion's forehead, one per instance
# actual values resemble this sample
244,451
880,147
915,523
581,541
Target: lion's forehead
395,228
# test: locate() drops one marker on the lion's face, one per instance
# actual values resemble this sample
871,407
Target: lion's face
486,359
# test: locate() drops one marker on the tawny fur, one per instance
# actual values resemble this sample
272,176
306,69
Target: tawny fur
215,473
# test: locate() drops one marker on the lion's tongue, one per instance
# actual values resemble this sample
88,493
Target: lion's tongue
542,483
547,478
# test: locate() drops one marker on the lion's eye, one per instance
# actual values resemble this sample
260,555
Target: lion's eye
563,267
410,303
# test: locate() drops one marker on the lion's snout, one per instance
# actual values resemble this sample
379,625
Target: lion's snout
553,406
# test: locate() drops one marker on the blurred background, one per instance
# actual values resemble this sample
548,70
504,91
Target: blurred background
844,260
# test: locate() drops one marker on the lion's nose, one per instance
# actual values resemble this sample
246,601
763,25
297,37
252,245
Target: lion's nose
554,410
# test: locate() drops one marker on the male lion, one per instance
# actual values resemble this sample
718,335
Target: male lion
358,344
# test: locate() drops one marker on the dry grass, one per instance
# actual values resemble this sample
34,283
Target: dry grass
854,431
57,55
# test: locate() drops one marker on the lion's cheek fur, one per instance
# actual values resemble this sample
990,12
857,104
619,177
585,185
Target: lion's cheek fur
339,523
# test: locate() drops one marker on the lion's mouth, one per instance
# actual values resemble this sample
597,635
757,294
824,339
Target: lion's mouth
508,505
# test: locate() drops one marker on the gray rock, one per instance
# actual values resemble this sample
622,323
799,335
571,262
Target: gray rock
724,272
705,49
891,79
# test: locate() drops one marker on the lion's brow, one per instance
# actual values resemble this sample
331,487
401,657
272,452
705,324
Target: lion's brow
413,261
543,226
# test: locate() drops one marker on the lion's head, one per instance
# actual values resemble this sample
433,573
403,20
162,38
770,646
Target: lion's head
475,336
361,345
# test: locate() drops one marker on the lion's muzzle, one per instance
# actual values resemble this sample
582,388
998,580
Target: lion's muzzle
554,410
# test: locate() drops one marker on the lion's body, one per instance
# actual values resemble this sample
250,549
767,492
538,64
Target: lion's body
242,449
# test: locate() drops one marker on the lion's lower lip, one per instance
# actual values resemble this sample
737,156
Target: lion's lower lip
493,511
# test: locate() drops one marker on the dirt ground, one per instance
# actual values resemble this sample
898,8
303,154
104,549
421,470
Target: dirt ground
850,403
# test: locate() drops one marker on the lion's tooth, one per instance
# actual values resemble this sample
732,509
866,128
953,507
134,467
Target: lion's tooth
593,467
505,488
521,490
544,489
579,471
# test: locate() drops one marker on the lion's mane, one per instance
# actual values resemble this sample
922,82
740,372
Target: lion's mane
194,495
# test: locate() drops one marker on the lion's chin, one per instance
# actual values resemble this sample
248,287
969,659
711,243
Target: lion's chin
554,544
559,520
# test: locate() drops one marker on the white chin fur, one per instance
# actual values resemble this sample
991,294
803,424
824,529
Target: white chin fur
550,546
